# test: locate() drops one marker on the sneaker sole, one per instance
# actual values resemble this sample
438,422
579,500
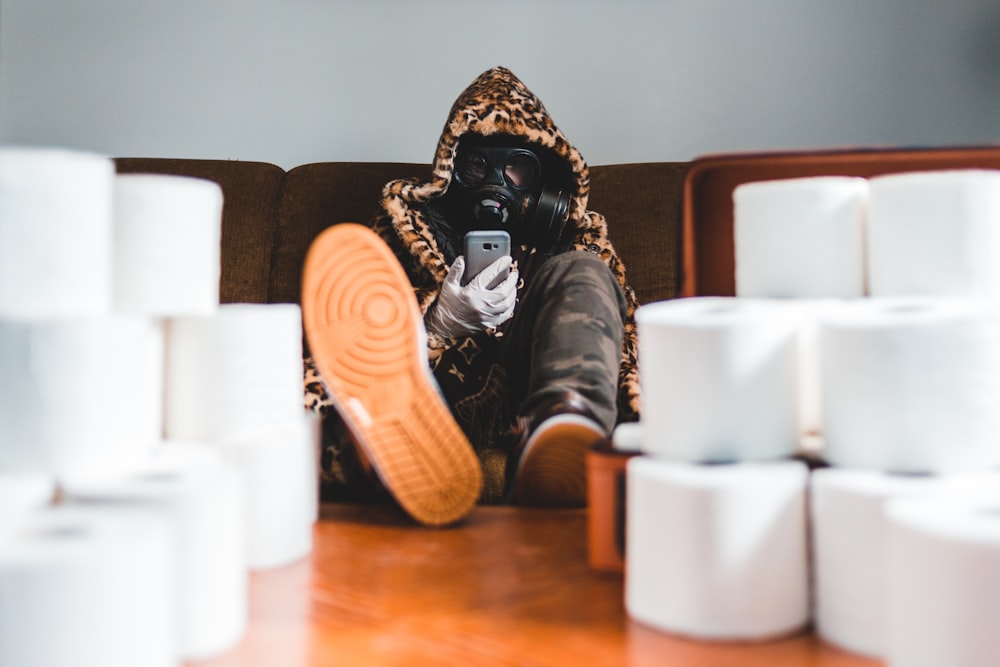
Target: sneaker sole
361,321
553,471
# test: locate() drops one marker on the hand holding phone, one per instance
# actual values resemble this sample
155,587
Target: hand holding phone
482,248
464,309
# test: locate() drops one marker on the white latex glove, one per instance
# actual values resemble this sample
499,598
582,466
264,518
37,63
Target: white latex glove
465,310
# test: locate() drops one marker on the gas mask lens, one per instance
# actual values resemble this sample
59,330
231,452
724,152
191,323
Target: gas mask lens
518,168
522,170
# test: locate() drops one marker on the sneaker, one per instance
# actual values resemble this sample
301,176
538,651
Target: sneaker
552,466
367,338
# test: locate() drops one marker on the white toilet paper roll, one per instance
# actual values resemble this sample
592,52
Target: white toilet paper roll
79,396
282,494
717,552
719,378
234,374
800,237
911,385
935,233
943,583
204,498
167,245
55,233
23,493
849,546
88,587
627,437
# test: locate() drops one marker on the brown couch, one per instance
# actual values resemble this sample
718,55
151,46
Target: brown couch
270,216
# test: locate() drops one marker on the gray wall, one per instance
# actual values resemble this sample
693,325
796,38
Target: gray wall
295,81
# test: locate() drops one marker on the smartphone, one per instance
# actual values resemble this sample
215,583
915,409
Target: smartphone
482,248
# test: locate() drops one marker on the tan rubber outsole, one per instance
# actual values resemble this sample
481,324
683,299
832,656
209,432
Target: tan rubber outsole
553,472
360,318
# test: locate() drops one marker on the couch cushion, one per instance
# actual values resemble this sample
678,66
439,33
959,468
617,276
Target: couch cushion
250,204
642,205
318,195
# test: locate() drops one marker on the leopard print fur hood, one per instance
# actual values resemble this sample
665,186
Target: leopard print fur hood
497,102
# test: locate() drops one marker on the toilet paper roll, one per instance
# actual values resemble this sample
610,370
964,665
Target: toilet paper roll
800,237
627,437
935,233
234,374
204,498
717,552
281,490
88,587
719,378
55,233
943,583
167,245
911,385
849,546
22,493
79,396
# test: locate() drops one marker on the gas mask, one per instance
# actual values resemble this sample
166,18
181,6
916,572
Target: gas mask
506,189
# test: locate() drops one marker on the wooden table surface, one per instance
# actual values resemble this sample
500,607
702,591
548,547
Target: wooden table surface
509,586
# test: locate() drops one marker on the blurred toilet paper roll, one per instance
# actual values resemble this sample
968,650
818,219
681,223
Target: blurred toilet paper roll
717,552
849,546
89,587
282,490
719,378
800,237
204,498
911,385
22,493
235,373
943,579
627,436
935,233
167,245
55,233
79,396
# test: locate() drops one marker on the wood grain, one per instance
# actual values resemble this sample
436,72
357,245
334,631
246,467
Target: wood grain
508,586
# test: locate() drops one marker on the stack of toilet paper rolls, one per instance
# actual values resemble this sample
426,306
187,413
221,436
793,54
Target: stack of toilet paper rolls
864,338
130,395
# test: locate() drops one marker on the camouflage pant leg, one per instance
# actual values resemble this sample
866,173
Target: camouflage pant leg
567,335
